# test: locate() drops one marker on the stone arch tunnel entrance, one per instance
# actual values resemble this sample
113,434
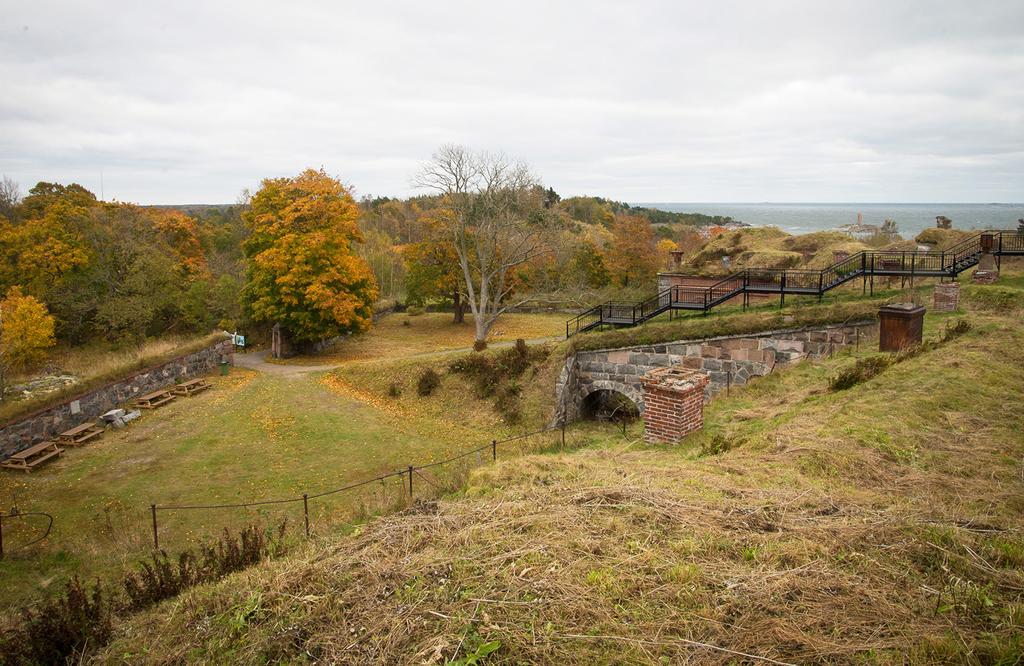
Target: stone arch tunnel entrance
609,405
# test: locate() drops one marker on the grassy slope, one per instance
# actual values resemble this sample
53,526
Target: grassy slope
400,334
251,437
873,525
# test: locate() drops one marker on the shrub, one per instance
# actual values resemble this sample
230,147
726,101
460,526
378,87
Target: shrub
493,374
955,330
715,446
428,383
406,322
161,578
861,371
61,628
479,345
394,390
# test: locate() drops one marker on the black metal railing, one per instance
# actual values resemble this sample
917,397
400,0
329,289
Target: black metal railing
869,263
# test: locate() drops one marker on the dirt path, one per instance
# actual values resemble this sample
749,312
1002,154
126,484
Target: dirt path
258,360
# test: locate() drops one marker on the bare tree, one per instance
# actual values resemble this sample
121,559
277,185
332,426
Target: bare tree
10,196
496,223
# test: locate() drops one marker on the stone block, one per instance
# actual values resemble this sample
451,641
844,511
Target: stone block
618,357
709,351
789,345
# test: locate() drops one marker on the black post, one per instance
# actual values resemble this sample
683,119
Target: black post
782,290
1,536
156,541
563,434
305,511
410,481
728,383
494,449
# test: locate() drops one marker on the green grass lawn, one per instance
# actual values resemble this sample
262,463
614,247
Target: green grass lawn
252,437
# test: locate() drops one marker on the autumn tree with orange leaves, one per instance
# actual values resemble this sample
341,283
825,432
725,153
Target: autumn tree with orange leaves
632,255
303,272
26,332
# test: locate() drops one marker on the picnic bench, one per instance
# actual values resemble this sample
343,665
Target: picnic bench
155,399
192,387
33,456
80,435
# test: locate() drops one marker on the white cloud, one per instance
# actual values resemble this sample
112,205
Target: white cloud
654,101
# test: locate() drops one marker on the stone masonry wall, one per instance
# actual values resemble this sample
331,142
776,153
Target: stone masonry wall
734,359
50,422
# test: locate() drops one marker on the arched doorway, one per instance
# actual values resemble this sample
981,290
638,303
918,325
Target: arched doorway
609,405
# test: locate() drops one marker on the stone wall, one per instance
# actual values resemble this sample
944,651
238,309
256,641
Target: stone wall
726,360
51,421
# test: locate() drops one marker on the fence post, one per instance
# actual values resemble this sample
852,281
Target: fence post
156,540
1,537
305,511
563,448
494,449
410,481
728,383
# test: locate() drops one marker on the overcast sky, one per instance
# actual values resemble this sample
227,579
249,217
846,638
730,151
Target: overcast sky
640,101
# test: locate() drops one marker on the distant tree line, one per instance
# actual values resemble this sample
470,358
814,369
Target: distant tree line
485,235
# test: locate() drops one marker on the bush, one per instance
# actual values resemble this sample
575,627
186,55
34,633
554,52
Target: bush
394,390
715,446
494,374
863,370
62,628
479,345
162,578
428,383
954,331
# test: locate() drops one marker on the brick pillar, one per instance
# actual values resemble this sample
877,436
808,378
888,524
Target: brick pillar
947,297
673,403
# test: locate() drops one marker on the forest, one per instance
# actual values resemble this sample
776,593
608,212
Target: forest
117,271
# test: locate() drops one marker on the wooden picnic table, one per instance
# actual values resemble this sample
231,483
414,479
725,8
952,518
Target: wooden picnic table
192,387
33,456
155,399
80,435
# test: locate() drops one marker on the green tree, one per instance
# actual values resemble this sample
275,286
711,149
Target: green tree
588,266
303,271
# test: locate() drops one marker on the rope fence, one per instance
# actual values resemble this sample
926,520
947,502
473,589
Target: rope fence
406,476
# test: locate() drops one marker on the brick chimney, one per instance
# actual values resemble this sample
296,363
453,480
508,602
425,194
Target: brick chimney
673,403
677,259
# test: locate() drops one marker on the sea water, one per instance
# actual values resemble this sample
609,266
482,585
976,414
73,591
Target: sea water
802,218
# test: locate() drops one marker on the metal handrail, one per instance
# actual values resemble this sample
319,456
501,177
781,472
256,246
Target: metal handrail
949,262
